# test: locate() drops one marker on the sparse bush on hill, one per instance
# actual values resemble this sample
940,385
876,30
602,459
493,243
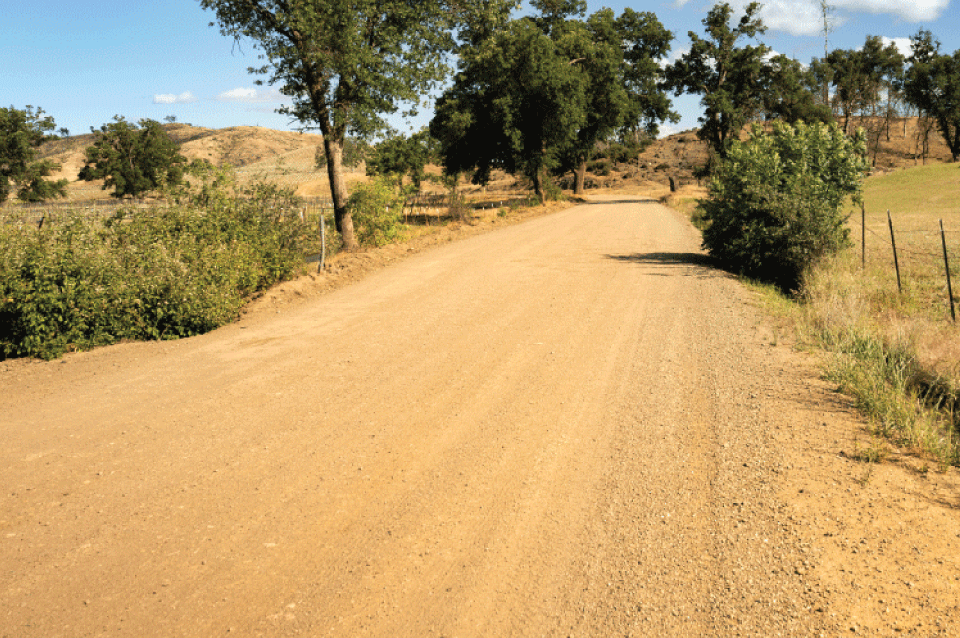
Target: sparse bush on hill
158,273
776,201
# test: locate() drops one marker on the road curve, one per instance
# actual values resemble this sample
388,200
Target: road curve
552,429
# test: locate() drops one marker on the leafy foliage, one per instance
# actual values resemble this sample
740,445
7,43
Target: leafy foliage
132,159
515,104
537,95
376,208
727,76
143,274
932,84
775,205
21,133
790,94
402,156
346,64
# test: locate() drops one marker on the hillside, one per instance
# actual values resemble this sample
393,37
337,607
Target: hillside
252,149
288,157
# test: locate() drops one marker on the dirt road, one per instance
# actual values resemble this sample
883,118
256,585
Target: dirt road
568,427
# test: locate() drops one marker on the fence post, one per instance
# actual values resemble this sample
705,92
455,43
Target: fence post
323,243
893,242
863,236
946,264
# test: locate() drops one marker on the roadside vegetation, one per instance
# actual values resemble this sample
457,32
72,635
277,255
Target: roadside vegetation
897,353
161,272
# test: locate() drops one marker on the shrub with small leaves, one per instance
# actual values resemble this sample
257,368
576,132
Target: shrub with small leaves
776,201
377,209
159,273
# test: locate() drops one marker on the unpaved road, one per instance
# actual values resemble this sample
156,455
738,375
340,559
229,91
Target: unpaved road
571,426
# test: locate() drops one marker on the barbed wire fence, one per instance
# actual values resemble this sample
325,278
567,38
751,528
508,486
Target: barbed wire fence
912,248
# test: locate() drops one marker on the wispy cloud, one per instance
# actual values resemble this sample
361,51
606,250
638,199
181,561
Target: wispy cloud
250,95
169,98
803,17
914,11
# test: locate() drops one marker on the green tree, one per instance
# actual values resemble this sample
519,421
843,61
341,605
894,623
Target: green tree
133,159
538,95
776,200
21,134
791,92
402,156
862,78
619,57
932,84
346,64
516,104
730,78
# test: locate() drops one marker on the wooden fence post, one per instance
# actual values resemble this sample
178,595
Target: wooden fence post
323,243
863,236
946,264
893,242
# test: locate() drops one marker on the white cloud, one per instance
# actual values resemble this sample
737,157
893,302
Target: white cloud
913,11
803,17
673,56
169,98
250,95
903,45
670,129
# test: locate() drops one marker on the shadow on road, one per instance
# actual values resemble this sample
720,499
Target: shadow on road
666,259
670,264
605,202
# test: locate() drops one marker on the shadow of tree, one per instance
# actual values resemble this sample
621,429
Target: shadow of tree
672,264
667,259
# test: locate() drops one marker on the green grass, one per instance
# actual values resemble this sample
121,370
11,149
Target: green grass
896,353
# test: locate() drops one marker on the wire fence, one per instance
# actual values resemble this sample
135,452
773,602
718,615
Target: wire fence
918,251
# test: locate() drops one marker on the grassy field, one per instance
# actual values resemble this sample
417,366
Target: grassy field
897,352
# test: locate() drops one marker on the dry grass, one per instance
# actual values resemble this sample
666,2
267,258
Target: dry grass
897,353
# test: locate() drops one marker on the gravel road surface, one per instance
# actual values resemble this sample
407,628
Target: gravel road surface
568,427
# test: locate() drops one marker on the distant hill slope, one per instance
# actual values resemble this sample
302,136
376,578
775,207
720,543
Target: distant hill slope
237,145
287,157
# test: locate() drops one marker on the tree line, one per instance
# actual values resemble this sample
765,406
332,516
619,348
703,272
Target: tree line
531,95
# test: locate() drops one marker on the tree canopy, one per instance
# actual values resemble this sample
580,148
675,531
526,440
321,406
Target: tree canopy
133,159
729,77
932,84
22,131
863,77
402,156
345,64
538,94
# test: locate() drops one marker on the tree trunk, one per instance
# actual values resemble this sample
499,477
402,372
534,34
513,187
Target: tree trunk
580,177
338,191
538,184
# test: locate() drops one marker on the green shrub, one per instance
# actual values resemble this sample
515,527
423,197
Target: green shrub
158,273
775,205
376,208
599,167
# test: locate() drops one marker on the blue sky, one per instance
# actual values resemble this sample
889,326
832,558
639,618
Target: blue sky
84,62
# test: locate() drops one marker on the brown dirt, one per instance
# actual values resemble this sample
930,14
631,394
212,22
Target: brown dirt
569,426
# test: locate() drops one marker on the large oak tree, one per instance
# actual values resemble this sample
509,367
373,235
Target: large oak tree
932,84
347,63
729,77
